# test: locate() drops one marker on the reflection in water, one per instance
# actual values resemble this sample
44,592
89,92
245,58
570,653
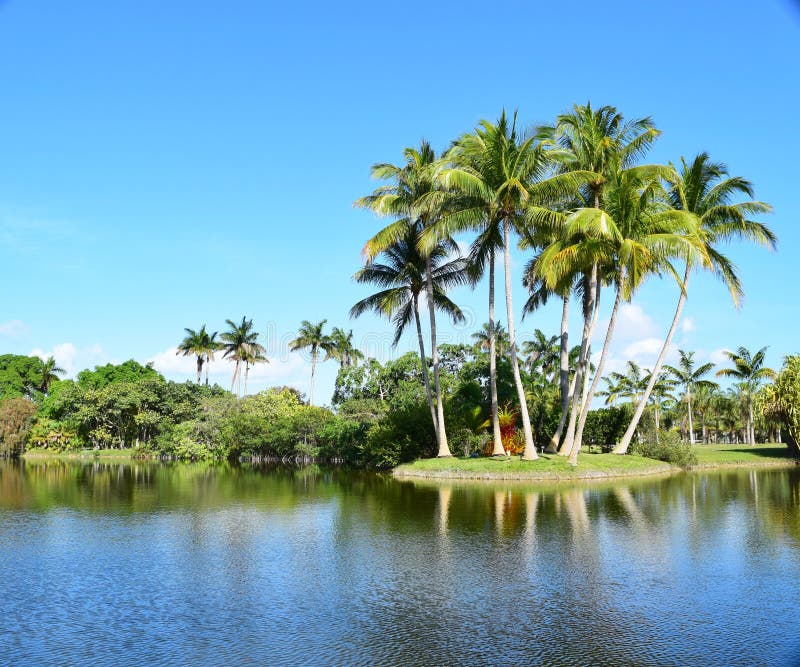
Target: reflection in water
197,564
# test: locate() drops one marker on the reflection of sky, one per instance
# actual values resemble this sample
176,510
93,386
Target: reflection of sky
339,568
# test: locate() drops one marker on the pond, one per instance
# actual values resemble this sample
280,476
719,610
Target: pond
158,564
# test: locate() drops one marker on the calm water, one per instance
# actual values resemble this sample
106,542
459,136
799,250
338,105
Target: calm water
191,565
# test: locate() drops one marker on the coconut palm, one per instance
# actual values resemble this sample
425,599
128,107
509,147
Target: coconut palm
310,337
202,345
483,338
501,177
402,275
253,354
50,373
236,345
689,377
341,348
749,369
542,353
704,189
416,199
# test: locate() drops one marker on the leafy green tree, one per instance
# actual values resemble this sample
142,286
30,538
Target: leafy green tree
690,377
237,344
20,375
310,337
781,400
202,345
128,371
16,417
751,372
704,189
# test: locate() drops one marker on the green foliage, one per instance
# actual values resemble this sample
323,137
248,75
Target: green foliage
20,376
129,371
781,401
16,417
605,426
669,448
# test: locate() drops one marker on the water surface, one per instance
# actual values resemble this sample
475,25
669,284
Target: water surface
154,564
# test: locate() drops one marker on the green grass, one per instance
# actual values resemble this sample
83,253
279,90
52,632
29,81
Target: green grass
81,454
548,466
719,455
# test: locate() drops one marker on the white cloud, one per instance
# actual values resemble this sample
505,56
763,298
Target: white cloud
289,368
632,324
12,328
718,356
645,347
687,325
71,358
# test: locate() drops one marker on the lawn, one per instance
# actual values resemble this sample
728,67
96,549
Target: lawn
548,466
720,455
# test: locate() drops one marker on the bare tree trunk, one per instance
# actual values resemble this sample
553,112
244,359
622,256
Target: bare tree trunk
235,373
563,376
689,407
576,447
313,370
441,432
208,363
246,376
529,454
752,422
199,367
497,449
425,377
622,446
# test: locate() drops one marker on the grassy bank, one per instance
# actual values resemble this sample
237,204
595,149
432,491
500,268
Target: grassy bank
720,456
592,466
548,466
82,454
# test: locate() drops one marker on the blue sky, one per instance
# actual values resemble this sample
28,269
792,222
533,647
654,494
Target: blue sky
165,165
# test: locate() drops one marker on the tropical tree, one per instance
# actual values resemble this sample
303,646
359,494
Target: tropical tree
253,354
487,334
781,401
542,353
502,179
751,373
690,377
703,189
402,275
237,343
202,345
310,337
341,348
50,373
416,198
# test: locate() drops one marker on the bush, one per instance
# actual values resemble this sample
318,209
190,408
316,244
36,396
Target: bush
669,448
16,416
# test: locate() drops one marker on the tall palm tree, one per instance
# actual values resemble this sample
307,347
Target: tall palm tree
484,336
501,176
690,377
402,275
310,337
416,199
202,345
237,342
704,189
50,373
253,354
749,369
542,353
341,348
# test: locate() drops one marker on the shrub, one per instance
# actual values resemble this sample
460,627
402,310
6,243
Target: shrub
16,416
669,448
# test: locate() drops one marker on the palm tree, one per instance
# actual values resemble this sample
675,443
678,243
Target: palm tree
749,369
704,189
237,343
486,334
341,348
310,337
202,345
50,374
416,198
499,174
690,377
253,354
542,352
402,275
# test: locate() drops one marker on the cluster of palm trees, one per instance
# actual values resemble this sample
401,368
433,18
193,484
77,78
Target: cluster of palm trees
594,217
730,411
240,345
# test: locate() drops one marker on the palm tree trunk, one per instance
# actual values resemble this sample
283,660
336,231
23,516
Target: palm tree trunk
208,362
199,367
573,457
582,370
235,373
563,377
752,421
313,370
425,377
622,445
246,376
689,407
497,449
441,432
529,454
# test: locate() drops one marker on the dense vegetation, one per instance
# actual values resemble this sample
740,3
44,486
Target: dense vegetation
594,219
